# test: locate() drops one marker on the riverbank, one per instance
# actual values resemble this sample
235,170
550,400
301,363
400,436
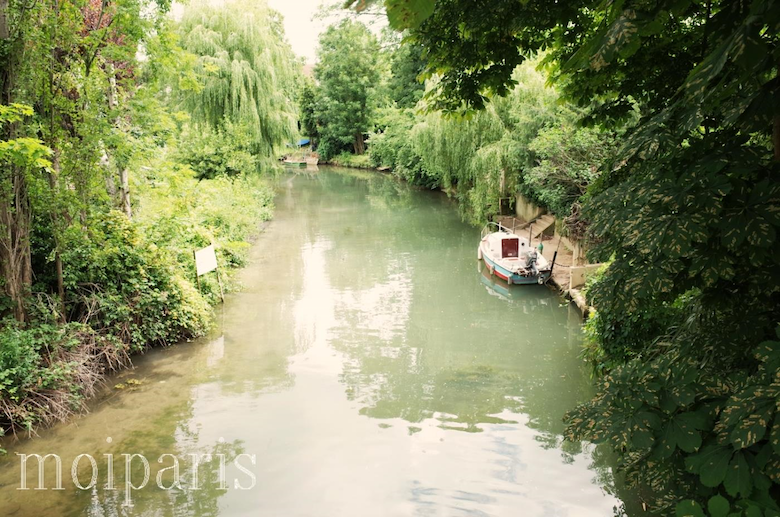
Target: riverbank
555,246
352,161
544,231
350,354
142,293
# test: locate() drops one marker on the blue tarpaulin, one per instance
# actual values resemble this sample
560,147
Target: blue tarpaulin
304,141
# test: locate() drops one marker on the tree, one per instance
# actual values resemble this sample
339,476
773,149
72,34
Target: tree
406,65
308,102
245,71
23,161
347,72
688,212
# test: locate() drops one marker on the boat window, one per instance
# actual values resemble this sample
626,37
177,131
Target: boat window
509,248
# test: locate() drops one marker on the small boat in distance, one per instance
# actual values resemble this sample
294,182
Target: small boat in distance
302,160
510,256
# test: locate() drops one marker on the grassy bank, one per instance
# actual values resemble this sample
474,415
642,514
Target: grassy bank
130,286
362,161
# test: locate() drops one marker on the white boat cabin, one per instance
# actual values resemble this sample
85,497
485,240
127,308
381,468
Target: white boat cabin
508,246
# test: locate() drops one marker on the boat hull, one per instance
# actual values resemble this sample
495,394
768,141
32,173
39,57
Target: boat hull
514,278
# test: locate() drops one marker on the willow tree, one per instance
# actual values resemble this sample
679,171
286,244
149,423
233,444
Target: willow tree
246,71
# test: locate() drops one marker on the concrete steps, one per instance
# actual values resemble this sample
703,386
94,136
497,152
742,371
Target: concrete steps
542,224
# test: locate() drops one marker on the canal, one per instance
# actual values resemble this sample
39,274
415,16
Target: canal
367,368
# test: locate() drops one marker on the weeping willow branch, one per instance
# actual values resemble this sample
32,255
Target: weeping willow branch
246,71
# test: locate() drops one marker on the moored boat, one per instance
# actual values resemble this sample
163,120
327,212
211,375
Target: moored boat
294,162
511,257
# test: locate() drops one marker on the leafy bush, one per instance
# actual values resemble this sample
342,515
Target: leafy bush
128,286
612,339
568,159
362,161
46,371
692,413
221,152
393,147
686,428
181,214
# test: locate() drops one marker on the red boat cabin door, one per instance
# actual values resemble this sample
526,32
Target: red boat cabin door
509,248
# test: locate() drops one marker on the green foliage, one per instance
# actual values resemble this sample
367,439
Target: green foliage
526,142
686,429
181,214
568,160
347,72
220,152
21,366
402,14
244,71
473,52
52,363
126,286
392,146
611,339
406,66
687,220
361,161
308,103
28,154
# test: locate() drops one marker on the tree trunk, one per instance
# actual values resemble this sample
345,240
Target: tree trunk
110,183
124,174
15,259
359,145
4,32
776,126
54,220
124,192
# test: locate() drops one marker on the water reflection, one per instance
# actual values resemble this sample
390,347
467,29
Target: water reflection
369,368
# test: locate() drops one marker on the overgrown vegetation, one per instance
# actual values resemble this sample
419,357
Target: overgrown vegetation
526,142
686,212
347,72
92,275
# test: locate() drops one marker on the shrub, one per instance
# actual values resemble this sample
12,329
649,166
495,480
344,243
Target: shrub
46,371
127,286
393,147
361,161
222,152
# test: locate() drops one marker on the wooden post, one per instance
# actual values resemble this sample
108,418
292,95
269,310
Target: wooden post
530,233
552,266
197,276
219,281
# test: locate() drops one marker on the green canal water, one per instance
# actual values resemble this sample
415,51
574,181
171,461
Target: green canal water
367,368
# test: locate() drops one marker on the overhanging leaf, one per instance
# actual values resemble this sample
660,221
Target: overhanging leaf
739,480
688,508
718,506
710,463
408,14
